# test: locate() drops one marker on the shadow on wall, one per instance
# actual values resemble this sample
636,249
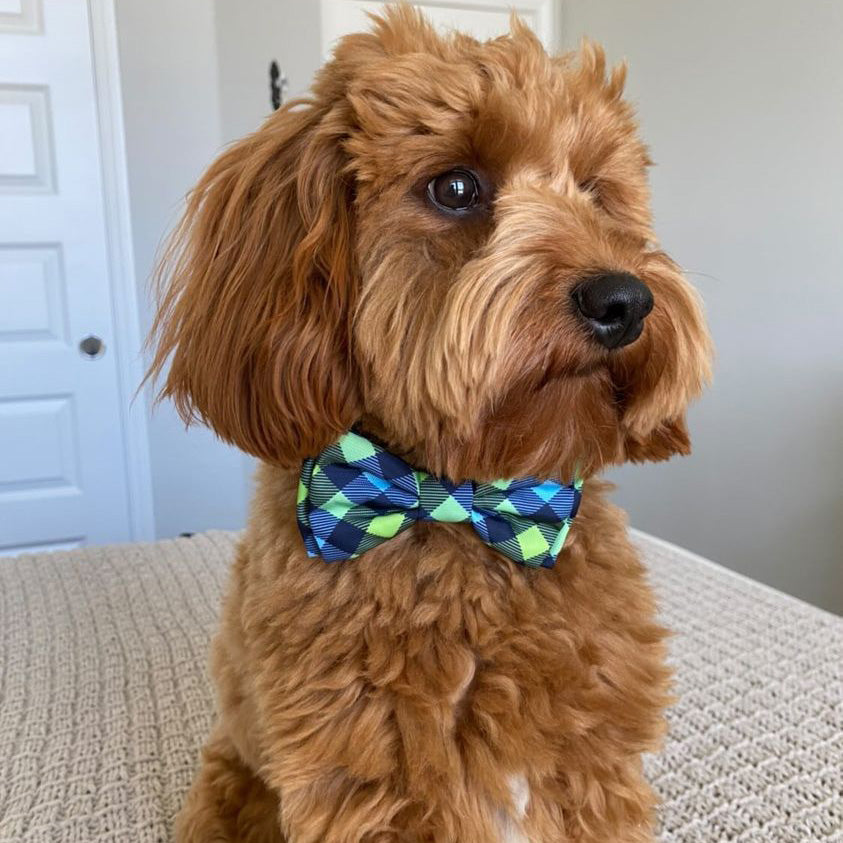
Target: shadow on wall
787,532
740,103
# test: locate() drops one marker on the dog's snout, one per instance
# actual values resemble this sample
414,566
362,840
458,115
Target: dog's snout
614,305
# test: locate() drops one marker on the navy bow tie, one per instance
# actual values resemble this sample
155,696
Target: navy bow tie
355,495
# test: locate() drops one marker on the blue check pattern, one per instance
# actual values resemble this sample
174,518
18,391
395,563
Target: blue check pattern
356,495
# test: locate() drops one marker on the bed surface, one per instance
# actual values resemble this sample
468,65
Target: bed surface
105,698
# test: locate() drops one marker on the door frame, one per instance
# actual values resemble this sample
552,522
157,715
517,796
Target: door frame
128,337
548,16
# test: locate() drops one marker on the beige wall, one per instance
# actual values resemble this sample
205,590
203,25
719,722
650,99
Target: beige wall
742,105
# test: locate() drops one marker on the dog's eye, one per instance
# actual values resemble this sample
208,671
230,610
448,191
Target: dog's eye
456,190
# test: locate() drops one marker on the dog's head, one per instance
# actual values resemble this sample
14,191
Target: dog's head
449,244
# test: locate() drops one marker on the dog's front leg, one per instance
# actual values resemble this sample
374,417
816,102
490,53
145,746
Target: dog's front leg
341,809
358,764
228,802
590,803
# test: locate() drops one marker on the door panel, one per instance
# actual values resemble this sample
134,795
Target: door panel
20,16
25,140
62,462
32,288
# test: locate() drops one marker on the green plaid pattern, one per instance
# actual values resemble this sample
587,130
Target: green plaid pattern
356,495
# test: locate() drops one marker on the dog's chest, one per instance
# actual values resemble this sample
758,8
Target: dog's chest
480,645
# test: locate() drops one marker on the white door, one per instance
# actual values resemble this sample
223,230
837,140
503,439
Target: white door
63,478
481,18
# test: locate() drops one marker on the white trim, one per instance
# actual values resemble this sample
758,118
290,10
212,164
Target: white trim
126,316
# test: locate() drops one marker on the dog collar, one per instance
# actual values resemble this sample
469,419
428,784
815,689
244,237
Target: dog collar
356,495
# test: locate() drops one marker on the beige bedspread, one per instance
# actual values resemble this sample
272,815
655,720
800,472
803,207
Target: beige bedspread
105,699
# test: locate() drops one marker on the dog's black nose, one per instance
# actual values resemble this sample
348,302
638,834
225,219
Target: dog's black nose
614,306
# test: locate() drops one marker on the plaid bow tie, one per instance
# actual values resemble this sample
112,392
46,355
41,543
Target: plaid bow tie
355,495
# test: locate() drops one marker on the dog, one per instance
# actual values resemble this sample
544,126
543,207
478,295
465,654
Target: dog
445,253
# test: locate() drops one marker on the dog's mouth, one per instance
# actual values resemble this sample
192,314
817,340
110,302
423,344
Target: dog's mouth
581,376
570,362
585,369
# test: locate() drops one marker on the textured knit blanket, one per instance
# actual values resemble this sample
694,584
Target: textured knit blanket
105,698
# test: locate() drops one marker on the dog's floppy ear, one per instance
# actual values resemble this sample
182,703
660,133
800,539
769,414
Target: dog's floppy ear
669,438
256,290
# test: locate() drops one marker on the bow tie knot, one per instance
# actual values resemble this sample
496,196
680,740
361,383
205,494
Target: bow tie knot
355,495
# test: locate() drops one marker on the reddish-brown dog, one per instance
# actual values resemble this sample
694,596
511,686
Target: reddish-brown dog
449,245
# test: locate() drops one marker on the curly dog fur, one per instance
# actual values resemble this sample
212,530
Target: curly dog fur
431,690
